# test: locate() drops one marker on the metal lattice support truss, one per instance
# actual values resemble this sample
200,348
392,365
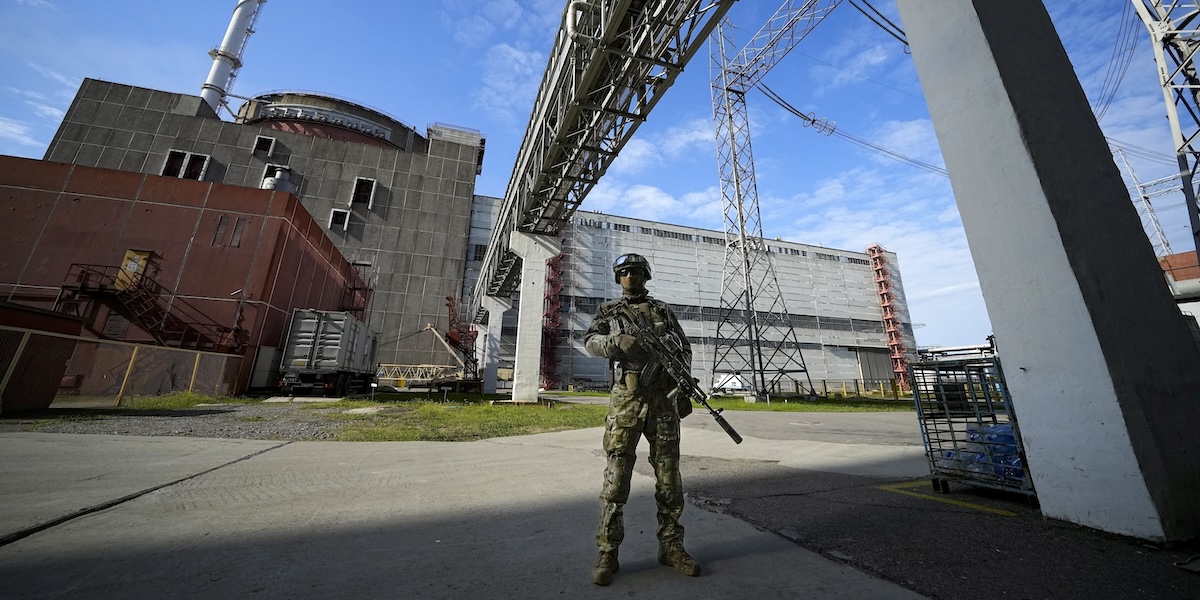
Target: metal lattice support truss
1175,34
754,333
1141,193
611,62
418,373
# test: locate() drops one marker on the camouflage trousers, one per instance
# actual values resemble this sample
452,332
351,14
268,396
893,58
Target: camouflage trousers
630,416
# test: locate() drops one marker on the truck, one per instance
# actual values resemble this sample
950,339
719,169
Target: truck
327,351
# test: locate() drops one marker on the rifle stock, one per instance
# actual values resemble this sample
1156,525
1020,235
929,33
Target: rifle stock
669,354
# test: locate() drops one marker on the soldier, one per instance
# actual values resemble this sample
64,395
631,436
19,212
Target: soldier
638,406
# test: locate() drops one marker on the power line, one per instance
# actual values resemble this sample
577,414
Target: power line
1142,152
828,128
1124,47
891,28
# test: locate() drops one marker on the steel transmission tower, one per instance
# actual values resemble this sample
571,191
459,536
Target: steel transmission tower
1142,193
754,331
1175,36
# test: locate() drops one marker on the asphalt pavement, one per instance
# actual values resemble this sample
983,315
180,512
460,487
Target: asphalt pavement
812,505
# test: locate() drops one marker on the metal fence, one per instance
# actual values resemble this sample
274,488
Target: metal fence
104,370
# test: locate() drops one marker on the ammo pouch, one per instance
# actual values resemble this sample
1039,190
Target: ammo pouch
631,381
683,404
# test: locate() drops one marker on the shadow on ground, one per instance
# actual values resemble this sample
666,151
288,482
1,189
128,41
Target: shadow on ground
943,550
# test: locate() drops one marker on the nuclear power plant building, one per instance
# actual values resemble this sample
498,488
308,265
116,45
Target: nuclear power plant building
396,204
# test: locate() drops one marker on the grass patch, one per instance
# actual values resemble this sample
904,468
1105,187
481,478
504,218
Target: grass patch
448,396
340,404
817,405
179,400
466,421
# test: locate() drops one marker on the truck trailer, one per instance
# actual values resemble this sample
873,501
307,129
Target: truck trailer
330,352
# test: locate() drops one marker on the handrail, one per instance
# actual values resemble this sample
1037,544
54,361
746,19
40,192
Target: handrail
179,319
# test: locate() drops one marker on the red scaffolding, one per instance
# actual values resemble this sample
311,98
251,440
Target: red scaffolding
462,336
891,319
551,323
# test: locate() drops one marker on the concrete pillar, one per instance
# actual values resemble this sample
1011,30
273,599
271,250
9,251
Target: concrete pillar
1104,378
490,340
534,251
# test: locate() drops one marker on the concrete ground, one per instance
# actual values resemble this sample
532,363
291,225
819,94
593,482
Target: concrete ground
94,516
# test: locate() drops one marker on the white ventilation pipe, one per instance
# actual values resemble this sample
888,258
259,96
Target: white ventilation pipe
227,57
573,11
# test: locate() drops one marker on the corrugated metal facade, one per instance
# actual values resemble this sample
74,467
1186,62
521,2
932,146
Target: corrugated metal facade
830,295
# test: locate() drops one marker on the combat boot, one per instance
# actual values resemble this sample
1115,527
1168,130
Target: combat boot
606,566
675,556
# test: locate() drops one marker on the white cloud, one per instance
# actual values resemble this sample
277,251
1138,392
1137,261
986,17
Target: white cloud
475,23
33,95
865,61
914,139
472,30
53,75
510,81
38,4
700,208
694,135
46,111
16,131
637,155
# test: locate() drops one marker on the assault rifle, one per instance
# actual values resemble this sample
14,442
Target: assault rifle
669,358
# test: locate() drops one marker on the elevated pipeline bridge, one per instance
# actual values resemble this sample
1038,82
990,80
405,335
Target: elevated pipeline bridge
611,62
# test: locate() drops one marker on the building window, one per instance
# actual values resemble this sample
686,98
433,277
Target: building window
339,219
479,252
264,146
219,236
185,165
272,170
364,192
620,227
235,240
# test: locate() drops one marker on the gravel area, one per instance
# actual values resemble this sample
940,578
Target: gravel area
260,421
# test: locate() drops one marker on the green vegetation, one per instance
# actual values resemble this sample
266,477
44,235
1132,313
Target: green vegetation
434,416
179,400
423,420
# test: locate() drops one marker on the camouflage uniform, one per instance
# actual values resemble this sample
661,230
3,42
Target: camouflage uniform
638,408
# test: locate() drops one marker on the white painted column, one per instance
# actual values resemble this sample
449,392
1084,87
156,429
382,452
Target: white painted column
490,340
534,251
1104,378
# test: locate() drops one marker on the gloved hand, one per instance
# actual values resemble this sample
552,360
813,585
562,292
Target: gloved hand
626,343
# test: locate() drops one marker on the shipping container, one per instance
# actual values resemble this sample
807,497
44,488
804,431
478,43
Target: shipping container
327,351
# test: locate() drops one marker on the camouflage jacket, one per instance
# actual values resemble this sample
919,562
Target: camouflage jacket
601,337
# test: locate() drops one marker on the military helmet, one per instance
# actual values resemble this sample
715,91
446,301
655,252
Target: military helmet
630,261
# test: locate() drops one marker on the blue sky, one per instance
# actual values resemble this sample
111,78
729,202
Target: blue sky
477,63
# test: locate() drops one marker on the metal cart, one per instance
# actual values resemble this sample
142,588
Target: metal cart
967,422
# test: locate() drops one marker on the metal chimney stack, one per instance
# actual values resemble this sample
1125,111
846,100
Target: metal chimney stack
227,58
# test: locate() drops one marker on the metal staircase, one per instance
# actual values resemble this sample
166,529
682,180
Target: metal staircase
144,302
